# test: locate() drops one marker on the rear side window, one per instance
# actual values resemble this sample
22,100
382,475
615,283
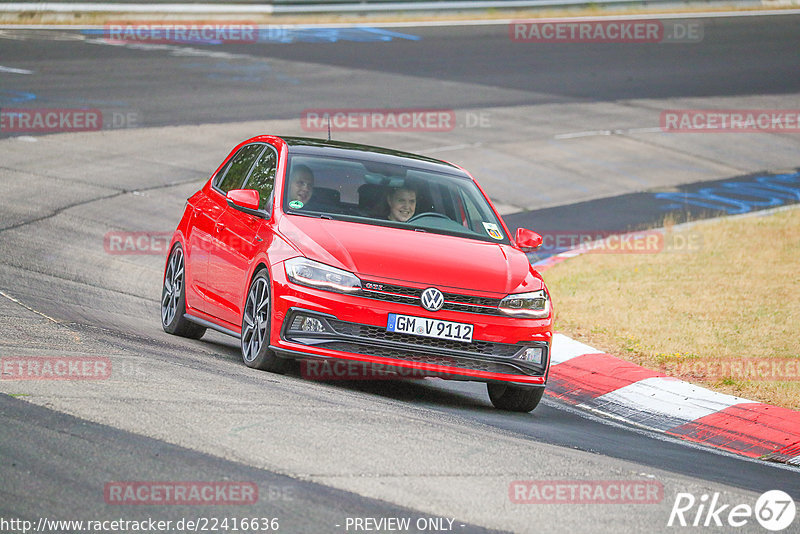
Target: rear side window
238,168
262,178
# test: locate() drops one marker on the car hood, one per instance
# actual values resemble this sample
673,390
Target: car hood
385,253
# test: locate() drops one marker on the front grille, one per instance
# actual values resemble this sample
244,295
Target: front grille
487,348
411,295
390,288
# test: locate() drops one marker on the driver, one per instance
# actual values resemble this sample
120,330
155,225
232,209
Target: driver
402,203
301,184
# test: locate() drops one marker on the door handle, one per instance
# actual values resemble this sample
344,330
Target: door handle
220,226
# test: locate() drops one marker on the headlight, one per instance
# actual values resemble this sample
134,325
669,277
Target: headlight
312,273
534,304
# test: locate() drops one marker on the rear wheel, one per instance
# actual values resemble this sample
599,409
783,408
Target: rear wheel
514,398
173,299
256,327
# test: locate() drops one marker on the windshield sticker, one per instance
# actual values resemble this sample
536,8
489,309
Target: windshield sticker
493,230
296,204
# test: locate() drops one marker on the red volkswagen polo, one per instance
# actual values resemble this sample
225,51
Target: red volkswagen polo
312,249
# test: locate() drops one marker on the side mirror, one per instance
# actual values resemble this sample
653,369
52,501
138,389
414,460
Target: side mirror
245,200
528,240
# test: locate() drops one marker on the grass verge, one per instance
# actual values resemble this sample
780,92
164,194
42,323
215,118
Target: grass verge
726,315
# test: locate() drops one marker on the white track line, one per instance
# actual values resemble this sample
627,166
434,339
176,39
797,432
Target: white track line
12,70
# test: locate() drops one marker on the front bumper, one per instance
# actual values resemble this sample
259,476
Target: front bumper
354,328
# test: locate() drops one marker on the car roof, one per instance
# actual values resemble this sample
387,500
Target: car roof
322,147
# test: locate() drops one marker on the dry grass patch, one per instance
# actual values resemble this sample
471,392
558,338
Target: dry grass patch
736,298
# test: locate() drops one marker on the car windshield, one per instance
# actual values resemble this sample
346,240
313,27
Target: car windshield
389,194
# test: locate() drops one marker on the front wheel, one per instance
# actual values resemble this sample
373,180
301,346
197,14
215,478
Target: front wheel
173,299
514,398
255,327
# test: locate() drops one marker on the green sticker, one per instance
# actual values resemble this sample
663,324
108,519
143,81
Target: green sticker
295,204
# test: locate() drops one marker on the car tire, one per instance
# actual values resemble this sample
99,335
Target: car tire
514,398
256,319
173,298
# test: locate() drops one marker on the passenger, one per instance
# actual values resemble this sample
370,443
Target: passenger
301,184
402,203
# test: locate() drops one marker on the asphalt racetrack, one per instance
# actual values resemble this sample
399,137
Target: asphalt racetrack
554,132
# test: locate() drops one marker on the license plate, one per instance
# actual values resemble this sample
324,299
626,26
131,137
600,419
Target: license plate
422,326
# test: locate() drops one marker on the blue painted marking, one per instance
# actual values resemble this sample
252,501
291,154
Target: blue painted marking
287,35
739,197
782,179
359,34
389,35
15,97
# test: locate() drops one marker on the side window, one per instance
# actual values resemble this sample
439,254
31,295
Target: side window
262,179
473,214
239,167
479,218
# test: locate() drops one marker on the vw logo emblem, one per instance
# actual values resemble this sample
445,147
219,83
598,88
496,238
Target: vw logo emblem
432,299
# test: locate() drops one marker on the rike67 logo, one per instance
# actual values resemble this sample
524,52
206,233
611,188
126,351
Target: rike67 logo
774,510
